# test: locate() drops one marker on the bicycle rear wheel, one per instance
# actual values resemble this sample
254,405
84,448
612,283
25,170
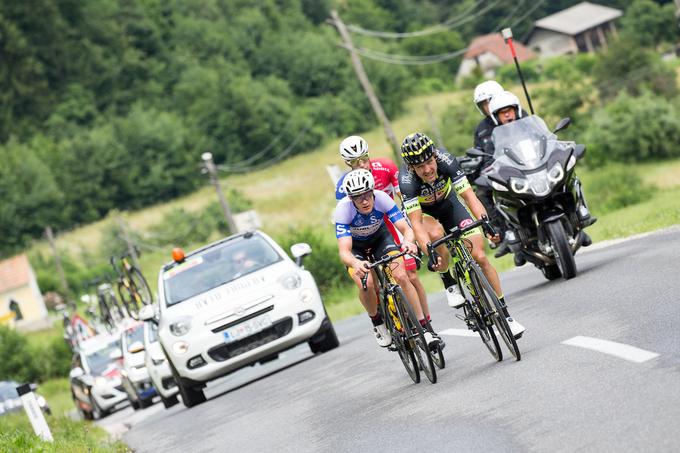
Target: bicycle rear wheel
128,301
496,312
407,357
139,285
415,335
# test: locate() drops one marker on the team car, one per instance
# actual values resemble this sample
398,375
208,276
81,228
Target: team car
158,367
134,374
95,376
233,303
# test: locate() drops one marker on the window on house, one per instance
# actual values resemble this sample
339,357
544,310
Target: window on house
14,307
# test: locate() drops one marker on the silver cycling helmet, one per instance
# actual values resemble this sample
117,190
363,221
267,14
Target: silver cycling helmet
484,92
353,147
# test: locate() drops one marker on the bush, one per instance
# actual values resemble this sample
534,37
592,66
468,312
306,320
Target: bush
633,129
18,363
615,187
323,263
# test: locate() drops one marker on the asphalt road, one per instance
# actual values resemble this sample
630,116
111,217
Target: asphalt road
562,396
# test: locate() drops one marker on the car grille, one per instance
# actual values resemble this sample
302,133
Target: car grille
240,320
226,351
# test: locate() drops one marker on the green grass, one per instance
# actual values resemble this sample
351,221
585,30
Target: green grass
16,433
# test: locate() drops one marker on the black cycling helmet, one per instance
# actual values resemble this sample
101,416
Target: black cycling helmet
417,148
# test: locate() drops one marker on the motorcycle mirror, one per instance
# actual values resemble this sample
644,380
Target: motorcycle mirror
562,124
579,151
475,152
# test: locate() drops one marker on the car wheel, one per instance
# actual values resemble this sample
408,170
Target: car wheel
191,396
97,411
135,405
325,339
143,404
169,402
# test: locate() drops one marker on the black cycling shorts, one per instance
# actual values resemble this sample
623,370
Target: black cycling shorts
376,247
451,213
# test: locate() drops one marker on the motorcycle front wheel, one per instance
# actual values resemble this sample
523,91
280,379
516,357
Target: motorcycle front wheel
564,258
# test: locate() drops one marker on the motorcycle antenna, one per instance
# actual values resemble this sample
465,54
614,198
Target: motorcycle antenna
507,36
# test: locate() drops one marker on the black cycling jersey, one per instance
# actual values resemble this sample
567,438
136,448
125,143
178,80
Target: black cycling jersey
483,133
439,199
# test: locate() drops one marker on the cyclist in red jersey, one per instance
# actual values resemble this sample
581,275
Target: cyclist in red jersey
354,151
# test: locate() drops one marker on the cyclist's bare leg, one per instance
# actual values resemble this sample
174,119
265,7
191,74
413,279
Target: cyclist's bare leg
480,256
399,274
368,298
420,289
435,230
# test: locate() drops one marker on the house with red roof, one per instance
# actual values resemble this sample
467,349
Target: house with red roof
488,52
21,302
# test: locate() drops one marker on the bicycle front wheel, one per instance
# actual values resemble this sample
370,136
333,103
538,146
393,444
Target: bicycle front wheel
407,357
415,335
489,297
477,317
128,301
139,286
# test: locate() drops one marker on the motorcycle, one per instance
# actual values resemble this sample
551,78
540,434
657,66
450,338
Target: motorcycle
537,194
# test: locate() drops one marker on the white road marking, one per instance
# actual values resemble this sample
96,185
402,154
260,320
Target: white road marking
459,332
624,351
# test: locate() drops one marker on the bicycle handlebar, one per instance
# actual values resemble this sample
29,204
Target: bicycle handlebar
454,234
384,260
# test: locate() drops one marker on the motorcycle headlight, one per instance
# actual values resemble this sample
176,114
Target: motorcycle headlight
571,163
519,185
499,187
556,173
181,326
290,281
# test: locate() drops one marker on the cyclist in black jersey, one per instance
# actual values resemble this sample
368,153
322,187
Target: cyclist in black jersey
431,184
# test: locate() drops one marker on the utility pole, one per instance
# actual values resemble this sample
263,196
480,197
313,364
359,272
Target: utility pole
434,126
57,261
209,165
366,84
128,242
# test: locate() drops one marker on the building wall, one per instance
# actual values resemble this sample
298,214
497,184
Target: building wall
487,62
32,308
549,43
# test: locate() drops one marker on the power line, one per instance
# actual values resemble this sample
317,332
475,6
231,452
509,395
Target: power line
439,28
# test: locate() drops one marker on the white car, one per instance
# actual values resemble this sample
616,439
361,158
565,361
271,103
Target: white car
134,374
158,367
234,303
96,387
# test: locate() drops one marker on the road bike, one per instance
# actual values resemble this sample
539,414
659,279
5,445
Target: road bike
108,311
132,287
408,336
482,308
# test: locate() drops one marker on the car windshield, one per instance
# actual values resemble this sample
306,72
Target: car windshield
134,334
8,391
216,266
98,361
522,143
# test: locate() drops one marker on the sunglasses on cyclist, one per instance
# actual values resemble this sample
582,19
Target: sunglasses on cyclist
356,162
363,197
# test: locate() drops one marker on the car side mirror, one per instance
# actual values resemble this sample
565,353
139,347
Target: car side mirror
148,313
137,346
562,124
299,251
76,373
475,152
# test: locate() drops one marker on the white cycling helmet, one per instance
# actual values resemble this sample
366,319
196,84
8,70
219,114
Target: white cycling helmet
353,147
502,100
485,91
357,182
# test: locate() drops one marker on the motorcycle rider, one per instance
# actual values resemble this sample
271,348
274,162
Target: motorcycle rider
505,108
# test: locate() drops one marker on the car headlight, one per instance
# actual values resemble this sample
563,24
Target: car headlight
498,186
180,347
100,381
290,281
556,173
306,295
180,326
519,185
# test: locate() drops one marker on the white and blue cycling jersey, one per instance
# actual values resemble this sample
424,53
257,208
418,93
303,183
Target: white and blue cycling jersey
339,189
350,222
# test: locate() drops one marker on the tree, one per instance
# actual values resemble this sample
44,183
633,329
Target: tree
648,24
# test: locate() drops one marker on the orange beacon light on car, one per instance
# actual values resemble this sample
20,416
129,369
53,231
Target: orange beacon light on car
178,255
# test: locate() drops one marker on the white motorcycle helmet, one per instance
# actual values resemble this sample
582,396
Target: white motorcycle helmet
358,182
353,147
501,101
485,91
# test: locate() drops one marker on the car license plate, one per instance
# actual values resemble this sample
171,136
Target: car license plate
247,328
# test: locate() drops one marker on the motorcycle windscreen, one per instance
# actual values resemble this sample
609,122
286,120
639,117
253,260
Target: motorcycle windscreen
522,143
